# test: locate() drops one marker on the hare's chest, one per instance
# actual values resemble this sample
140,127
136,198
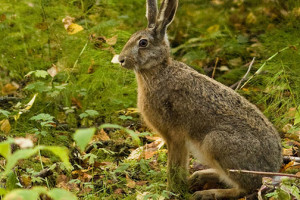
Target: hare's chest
157,110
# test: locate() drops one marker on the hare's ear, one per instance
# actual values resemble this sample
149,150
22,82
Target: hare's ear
151,13
165,16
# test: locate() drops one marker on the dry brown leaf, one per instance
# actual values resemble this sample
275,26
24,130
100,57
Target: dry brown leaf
26,181
10,88
53,70
2,17
141,183
119,191
152,138
103,135
23,142
112,41
76,102
287,152
130,183
5,126
287,166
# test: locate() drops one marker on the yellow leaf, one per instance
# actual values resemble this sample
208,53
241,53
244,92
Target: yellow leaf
30,103
213,28
251,18
5,126
74,28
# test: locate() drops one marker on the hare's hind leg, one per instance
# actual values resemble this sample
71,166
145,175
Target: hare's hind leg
200,178
177,166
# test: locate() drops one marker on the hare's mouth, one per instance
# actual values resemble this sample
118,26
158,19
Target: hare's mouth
127,63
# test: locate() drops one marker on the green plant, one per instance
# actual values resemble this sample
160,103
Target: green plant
25,153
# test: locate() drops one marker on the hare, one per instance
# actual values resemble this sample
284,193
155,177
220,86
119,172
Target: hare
196,114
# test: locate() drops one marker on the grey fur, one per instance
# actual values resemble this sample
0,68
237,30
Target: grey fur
194,113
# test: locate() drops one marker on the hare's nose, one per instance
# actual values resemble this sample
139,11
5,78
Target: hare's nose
122,60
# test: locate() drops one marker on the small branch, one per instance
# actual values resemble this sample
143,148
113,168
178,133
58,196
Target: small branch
262,173
44,173
291,158
214,71
245,76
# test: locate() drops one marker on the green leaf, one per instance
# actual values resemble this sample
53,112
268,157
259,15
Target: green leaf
22,194
42,117
60,194
18,155
62,153
83,136
92,113
4,112
110,126
297,116
283,195
134,136
3,191
41,73
11,181
83,115
5,149
38,86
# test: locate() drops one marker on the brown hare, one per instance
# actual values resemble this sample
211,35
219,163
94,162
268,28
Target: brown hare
196,114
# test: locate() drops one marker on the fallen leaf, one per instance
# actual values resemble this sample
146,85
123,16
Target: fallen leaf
236,62
147,151
224,68
112,41
23,142
53,70
251,18
115,59
141,183
10,88
130,183
74,28
2,18
26,181
71,27
119,191
287,152
213,28
76,102
103,135
67,21
5,126
287,166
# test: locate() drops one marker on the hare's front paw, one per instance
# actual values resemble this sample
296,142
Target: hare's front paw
203,195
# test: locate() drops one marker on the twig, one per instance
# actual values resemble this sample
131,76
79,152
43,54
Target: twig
74,66
262,173
245,76
291,158
214,71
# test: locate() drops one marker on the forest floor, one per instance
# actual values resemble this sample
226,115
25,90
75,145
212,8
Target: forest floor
65,101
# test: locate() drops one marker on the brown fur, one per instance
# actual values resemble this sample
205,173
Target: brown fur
194,113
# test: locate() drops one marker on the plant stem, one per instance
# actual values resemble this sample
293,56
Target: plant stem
42,162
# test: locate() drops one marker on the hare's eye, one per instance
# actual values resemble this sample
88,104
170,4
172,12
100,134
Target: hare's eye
143,43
